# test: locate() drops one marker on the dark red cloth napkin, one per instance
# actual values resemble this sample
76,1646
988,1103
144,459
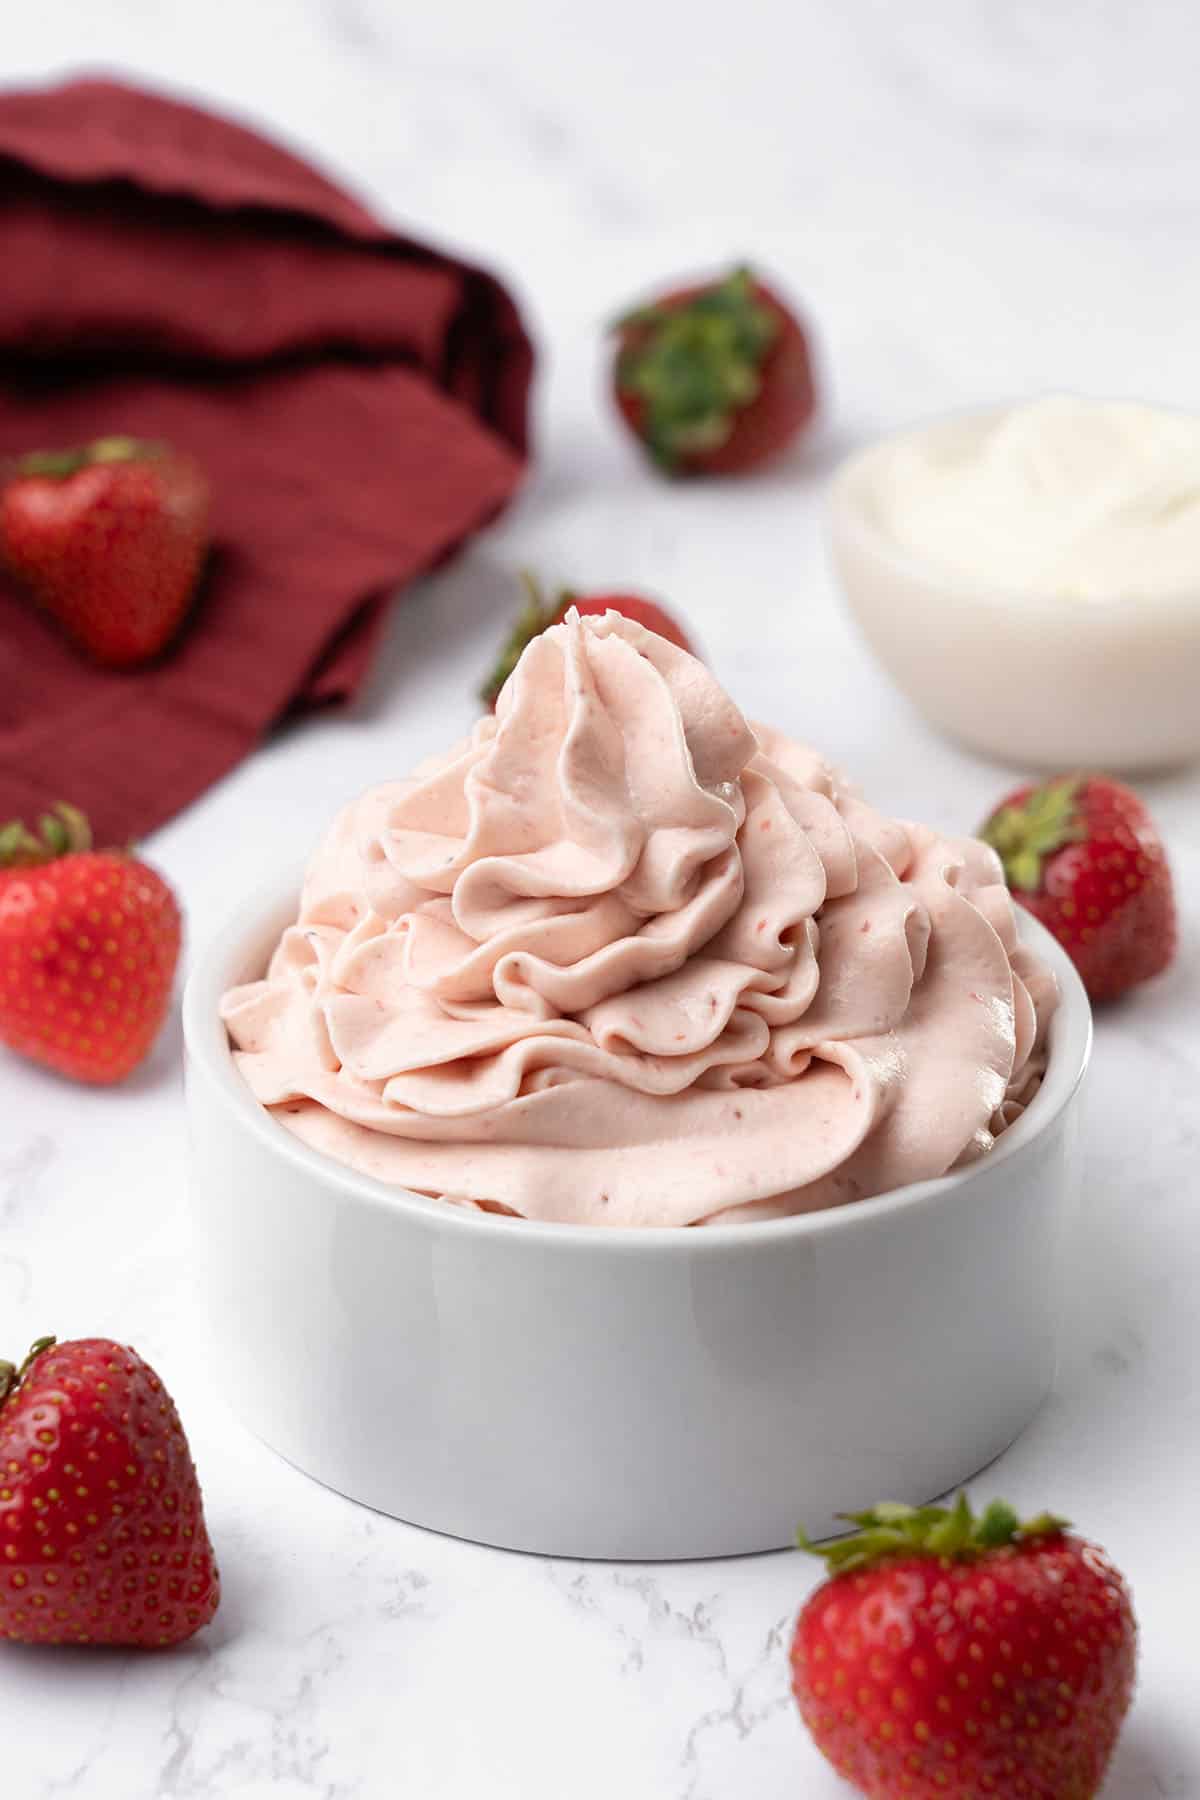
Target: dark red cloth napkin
359,402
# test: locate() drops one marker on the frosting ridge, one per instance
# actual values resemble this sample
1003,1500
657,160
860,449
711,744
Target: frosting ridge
618,958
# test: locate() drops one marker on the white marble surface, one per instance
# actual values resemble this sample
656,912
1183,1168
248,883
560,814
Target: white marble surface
975,201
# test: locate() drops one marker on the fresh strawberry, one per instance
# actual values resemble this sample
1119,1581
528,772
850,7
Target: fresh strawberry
714,379
102,1534
89,940
110,540
1084,856
951,1657
538,614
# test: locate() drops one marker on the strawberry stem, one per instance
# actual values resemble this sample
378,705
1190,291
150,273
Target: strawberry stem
120,449
535,616
893,1529
694,364
57,465
11,1376
62,832
1024,834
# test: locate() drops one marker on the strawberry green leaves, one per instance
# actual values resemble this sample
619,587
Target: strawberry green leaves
1024,835
694,365
59,833
893,1529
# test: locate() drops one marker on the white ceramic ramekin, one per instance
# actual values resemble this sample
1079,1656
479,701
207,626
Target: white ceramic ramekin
622,1393
1034,679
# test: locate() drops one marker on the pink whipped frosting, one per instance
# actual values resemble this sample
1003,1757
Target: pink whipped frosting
620,959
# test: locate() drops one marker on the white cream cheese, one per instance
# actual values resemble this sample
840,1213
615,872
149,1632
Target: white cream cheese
1076,499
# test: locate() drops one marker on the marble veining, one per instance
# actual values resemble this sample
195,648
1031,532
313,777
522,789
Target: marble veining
974,203
22,1170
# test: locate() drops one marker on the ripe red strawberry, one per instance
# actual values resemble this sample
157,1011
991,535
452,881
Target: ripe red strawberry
110,540
714,379
538,614
102,1534
952,1658
89,940
1084,856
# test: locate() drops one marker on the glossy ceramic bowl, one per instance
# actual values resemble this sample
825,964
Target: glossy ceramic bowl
1028,678
622,1393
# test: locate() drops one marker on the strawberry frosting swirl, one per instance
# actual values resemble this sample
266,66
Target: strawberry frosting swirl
620,959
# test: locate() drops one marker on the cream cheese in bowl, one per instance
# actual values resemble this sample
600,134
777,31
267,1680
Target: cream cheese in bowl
1105,497
1031,577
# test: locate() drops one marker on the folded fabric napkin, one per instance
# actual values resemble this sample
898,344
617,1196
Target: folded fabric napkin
358,401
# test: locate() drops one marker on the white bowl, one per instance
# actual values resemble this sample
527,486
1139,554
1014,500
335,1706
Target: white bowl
1031,679
622,1393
